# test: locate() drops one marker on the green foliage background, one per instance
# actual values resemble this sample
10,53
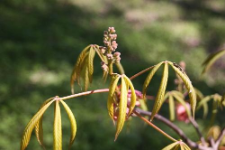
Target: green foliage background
40,41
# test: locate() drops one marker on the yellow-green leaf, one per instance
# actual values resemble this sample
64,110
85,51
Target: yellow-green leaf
78,67
188,84
57,131
171,146
72,122
211,59
38,126
182,102
185,147
171,108
203,103
149,78
133,95
161,91
91,56
113,85
86,79
122,108
30,126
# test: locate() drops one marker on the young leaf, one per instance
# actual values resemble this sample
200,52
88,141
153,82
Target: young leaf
78,67
133,95
38,126
211,59
182,101
171,146
188,84
171,108
149,78
57,131
72,122
113,85
161,92
30,126
122,108
203,103
91,56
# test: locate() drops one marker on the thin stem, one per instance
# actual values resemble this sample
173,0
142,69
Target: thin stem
141,72
155,127
195,124
85,93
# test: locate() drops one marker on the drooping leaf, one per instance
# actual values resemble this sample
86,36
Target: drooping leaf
86,79
203,103
78,67
72,123
113,85
185,147
171,108
133,95
122,108
91,56
38,126
182,102
161,91
149,78
189,86
57,131
211,59
120,67
171,146
30,126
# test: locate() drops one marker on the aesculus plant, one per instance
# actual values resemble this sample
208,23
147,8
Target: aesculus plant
124,101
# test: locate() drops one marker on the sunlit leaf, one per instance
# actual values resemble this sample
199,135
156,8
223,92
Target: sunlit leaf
122,108
91,56
161,91
57,131
133,95
38,126
72,122
113,85
86,79
78,67
149,78
211,59
188,84
171,108
30,126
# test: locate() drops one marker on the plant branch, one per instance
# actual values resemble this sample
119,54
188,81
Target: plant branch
85,93
222,134
154,126
176,129
195,125
141,72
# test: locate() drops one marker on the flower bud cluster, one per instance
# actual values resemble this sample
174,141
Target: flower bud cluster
109,39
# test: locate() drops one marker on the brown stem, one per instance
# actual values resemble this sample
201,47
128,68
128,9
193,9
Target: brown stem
154,126
176,129
85,93
141,72
195,124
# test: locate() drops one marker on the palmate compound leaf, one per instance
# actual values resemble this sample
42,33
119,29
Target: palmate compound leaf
204,103
84,68
211,59
188,85
30,126
57,130
176,146
113,85
149,78
72,123
122,108
161,91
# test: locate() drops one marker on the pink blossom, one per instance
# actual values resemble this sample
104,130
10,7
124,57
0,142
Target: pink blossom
181,113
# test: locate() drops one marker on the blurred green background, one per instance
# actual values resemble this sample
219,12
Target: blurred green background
40,41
